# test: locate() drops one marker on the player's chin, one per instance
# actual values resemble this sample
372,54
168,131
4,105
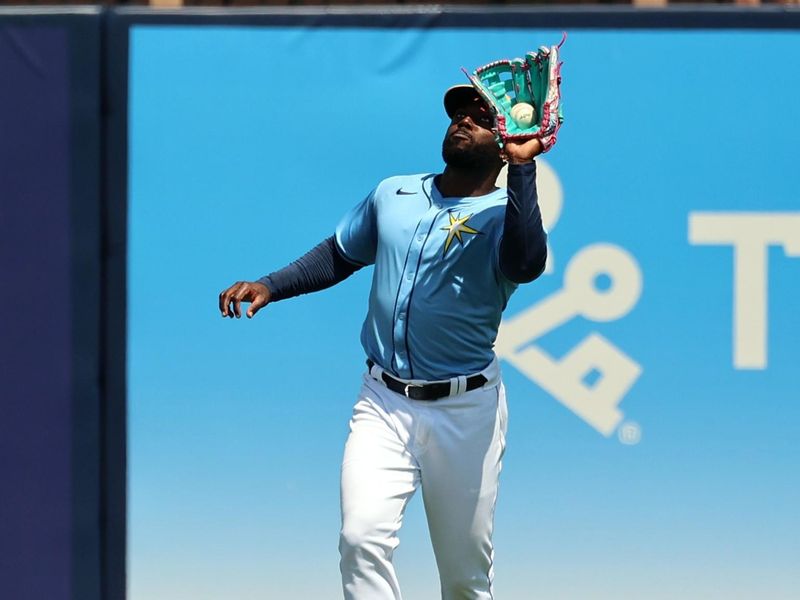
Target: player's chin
469,155
457,150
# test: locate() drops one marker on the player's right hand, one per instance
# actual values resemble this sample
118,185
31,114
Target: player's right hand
522,152
257,294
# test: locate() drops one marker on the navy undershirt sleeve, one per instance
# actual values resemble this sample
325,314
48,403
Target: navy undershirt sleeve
523,247
322,267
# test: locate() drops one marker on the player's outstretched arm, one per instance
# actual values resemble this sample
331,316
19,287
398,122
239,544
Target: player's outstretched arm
318,269
230,300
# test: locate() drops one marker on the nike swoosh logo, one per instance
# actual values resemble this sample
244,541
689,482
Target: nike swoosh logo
400,192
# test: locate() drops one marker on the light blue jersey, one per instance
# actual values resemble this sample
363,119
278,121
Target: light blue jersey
437,290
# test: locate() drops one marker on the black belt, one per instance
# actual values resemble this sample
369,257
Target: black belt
426,391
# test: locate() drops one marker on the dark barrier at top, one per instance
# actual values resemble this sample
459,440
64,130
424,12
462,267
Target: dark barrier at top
65,175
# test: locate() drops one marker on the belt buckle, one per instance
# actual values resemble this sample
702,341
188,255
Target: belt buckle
409,387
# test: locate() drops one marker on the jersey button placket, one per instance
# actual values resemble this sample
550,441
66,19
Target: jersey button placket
400,322
406,288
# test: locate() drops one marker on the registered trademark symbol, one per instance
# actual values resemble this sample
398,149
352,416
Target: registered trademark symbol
630,433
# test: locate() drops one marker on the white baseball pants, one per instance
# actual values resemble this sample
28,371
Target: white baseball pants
452,448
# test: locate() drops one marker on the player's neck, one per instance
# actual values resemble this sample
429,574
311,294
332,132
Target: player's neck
457,183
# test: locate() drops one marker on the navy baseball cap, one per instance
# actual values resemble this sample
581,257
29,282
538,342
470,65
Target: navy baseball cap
458,96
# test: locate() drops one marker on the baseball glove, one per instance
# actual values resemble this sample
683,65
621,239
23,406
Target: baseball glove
508,86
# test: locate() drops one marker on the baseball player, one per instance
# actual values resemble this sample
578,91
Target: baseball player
448,251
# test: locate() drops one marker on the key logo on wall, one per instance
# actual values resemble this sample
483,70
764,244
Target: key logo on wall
602,282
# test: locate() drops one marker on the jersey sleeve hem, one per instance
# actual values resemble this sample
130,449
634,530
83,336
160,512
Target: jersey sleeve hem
343,254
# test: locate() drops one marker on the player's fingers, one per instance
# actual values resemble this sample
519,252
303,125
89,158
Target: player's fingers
237,306
234,298
221,302
255,306
245,293
225,298
259,302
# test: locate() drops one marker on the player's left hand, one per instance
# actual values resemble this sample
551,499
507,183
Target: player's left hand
230,300
522,152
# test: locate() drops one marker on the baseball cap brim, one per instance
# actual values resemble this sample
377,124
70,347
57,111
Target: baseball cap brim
459,96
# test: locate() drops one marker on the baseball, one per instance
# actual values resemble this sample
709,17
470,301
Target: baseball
523,114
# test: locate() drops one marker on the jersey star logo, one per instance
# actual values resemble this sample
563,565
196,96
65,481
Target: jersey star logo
458,226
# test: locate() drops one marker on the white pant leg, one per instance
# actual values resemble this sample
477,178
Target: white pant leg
460,468
379,477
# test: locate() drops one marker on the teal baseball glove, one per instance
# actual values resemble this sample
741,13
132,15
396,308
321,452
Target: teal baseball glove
524,94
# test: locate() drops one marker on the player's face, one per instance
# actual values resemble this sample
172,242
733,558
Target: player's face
469,141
